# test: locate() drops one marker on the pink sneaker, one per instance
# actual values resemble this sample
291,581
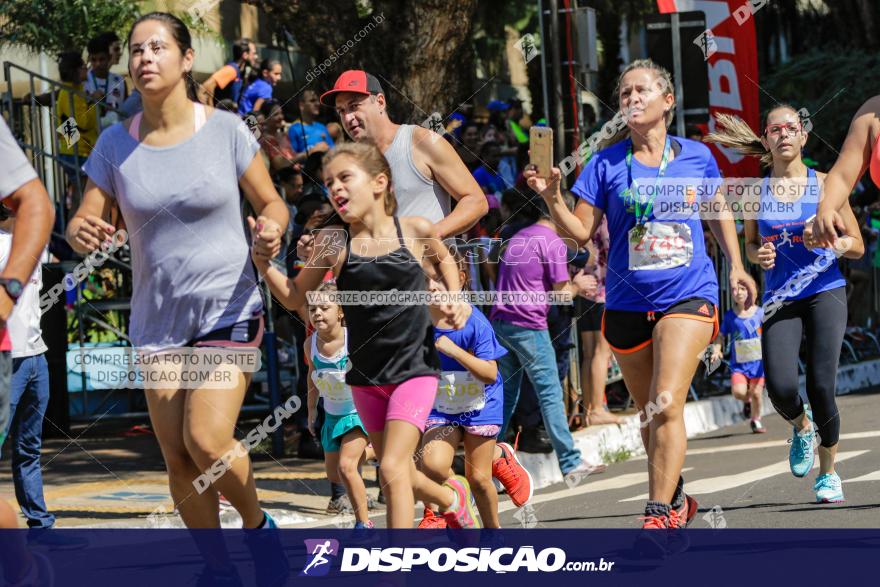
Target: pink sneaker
464,516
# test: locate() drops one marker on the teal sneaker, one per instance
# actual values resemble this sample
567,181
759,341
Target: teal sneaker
802,453
828,488
270,522
270,560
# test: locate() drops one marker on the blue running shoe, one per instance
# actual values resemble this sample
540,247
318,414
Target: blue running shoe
270,522
368,525
828,489
801,454
270,561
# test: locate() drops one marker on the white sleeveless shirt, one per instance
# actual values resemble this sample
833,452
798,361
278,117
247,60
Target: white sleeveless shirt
416,194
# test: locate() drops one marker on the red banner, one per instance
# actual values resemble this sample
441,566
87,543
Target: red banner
733,68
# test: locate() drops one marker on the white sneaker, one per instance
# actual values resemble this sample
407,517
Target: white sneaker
584,469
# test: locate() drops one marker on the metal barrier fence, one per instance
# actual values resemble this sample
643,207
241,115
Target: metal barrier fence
34,120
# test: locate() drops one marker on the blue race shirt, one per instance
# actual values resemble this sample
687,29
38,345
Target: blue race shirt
235,86
744,331
603,183
478,338
799,272
259,89
315,133
485,178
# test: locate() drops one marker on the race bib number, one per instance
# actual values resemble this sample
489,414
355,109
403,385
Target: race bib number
458,392
747,350
660,245
331,384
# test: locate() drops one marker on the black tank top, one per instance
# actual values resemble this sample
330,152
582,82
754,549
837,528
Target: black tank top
387,344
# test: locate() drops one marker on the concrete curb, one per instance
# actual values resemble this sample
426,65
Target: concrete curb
700,417
229,518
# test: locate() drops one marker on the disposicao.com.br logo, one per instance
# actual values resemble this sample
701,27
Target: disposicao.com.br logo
444,559
321,554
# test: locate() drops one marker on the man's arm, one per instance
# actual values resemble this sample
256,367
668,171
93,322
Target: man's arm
449,171
22,192
218,80
853,160
207,90
33,225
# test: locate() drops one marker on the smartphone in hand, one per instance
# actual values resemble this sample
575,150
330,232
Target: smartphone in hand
541,149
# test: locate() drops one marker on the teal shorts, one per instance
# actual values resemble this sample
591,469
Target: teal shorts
335,427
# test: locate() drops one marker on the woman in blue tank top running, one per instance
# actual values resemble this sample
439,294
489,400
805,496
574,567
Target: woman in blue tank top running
661,289
804,291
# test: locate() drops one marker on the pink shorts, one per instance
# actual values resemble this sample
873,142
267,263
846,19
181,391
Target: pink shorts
410,401
737,378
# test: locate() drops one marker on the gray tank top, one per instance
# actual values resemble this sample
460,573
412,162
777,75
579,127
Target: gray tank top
416,194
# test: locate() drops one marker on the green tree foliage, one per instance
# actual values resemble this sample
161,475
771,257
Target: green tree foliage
609,16
419,50
831,84
62,25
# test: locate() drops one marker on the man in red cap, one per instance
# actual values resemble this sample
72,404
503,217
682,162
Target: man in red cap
426,172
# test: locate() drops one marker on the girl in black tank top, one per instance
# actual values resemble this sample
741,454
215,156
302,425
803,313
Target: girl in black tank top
391,344
394,364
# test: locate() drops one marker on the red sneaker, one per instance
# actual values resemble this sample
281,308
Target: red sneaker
677,540
685,514
513,476
650,544
432,521
655,522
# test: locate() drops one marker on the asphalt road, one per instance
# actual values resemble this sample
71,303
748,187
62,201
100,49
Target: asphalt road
740,479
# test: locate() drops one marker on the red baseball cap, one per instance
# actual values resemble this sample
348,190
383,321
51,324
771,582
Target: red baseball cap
353,80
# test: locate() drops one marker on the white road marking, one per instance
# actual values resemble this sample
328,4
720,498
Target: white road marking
725,482
767,444
589,486
875,476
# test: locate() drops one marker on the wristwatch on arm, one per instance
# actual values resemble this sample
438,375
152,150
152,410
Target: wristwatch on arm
12,286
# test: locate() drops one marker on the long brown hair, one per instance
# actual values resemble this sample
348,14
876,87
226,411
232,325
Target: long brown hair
735,134
371,160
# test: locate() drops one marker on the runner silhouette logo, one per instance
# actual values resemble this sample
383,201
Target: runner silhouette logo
320,553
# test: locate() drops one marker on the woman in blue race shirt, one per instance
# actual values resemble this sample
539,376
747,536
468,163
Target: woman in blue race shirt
805,291
661,290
